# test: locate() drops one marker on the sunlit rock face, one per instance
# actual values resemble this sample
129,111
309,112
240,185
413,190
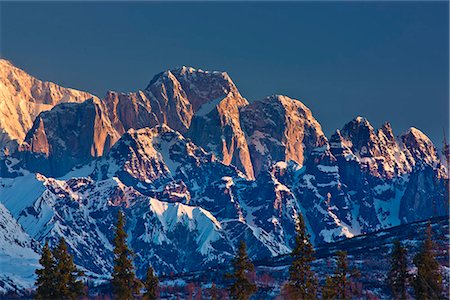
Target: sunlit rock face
280,129
70,134
200,104
22,98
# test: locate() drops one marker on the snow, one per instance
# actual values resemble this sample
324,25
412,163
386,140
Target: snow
256,141
388,211
281,165
165,154
228,182
208,107
18,259
20,192
194,218
328,169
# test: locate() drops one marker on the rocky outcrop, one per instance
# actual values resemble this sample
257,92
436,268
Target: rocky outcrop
200,104
418,147
207,109
130,111
280,129
22,98
68,135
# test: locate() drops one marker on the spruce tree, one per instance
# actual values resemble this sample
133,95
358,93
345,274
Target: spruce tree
46,275
151,285
242,288
428,281
329,289
302,282
340,275
339,286
124,279
398,273
213,292
67,285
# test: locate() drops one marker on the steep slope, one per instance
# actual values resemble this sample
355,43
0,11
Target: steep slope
18,255
280,129
366,180
200,104
22,98
67,135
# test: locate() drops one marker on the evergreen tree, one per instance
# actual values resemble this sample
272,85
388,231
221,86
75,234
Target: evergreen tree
329,289
67,285
213,292
123,278
242,288
398,273
340,275
428,281
302,282
46,275
340,286
151,285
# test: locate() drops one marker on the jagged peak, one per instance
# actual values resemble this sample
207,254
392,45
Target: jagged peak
386,131
357,127
336,135
190,70
284,101
5,62
386,126
417,135
187,71
362,121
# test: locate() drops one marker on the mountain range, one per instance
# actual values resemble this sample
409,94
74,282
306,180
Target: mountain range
196,168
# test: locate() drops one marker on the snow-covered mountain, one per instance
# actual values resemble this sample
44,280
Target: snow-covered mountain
196,168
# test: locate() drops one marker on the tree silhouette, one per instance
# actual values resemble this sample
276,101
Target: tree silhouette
46,275
151,285
398,273
242,288
428,281
124,279
302,283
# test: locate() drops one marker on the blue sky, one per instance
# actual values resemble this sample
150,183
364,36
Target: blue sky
387,61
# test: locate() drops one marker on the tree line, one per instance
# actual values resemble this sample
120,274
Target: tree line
59,277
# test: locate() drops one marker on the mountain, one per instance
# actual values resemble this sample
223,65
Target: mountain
67,135
280,129
200,104
174,194
196,168
22,98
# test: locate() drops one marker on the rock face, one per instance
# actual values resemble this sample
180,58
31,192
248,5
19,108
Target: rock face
196,169
280,129
365,180
67,135
22,98
130,111
200,104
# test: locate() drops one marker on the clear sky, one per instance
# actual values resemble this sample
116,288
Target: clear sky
387,61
